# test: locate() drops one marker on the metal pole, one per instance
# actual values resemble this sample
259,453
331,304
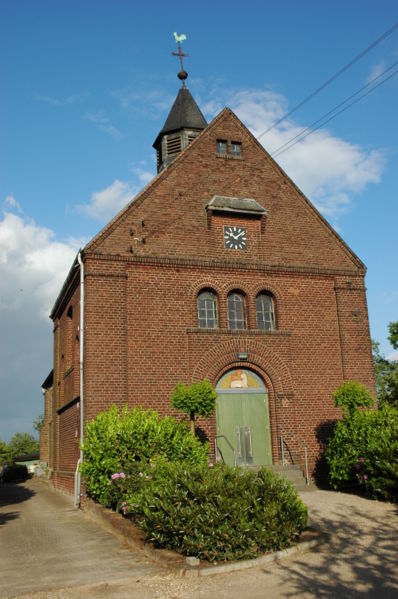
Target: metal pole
282,452
306,465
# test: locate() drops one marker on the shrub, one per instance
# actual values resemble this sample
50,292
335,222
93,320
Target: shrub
214,513
14,472
114,440
363,453
352,395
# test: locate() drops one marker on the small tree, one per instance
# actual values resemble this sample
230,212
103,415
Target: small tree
22,443
351,396
198,399
38,423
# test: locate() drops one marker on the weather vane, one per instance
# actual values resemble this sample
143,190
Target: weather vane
182,74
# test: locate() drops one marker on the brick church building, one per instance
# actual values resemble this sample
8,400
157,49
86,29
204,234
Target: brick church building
219,269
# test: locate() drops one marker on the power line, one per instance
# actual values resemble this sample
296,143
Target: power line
310,127
278,153
332,78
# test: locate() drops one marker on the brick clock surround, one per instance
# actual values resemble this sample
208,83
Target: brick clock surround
145,269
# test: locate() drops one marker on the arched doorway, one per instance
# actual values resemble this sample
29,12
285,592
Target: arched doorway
243,425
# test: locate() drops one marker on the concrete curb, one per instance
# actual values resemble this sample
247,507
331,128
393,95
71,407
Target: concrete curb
126,531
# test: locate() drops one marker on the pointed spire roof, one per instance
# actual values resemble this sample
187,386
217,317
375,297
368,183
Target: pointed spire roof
184,114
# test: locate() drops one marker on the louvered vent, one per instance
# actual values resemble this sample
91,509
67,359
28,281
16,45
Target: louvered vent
191,137
173,145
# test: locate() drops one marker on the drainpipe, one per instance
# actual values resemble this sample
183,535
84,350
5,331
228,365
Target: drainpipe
81,361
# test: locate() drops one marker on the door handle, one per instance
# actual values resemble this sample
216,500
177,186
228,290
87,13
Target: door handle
248,442
239,440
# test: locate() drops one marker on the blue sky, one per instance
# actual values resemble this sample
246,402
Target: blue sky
86,87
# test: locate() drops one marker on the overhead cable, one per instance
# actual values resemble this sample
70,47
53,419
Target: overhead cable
332,78
310,127
280,151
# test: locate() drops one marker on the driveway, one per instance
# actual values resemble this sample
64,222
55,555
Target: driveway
48,547
46,544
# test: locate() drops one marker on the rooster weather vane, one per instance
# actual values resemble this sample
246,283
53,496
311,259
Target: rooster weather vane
182,75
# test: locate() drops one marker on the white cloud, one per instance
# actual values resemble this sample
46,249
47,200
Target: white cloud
33,266
328,169
104,204
66,101
103,123
376,70
149,103
143,174
393,357
12,204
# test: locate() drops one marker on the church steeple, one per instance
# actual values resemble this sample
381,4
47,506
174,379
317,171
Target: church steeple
184,122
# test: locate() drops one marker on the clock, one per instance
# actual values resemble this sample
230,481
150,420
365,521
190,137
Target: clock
235,238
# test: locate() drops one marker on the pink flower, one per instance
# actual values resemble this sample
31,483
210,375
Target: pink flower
122,475
115,475
211,465
361,460
365,477
140,474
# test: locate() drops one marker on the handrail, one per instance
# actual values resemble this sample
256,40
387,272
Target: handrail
216,452
307,480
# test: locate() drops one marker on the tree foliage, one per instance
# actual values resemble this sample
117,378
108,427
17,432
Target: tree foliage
22,443
198,399
3,452
386,376
38,423
393,336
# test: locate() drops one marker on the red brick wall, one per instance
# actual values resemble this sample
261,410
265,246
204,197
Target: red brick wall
45,429
301,362
141,333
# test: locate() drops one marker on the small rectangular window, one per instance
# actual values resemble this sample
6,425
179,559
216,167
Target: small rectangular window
221,147
236,149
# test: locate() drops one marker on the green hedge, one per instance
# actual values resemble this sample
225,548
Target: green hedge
114,440
363,453
215,513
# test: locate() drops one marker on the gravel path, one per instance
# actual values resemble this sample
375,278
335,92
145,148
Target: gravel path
360,559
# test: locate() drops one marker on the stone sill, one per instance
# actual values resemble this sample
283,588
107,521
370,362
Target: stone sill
243,332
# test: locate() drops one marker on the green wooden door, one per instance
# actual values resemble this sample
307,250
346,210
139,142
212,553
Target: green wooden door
243,427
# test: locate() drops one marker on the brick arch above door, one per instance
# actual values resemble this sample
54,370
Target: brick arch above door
264,360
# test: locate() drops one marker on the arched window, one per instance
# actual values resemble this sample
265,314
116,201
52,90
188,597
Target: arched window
207,310
265,312
236,311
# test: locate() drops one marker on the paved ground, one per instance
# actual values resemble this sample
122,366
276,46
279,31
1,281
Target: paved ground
42,532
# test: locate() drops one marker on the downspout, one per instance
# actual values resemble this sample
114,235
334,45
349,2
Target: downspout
77,490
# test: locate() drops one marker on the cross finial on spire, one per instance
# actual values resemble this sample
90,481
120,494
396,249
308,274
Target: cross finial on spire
182,74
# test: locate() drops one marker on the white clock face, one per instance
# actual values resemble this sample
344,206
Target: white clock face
235,238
